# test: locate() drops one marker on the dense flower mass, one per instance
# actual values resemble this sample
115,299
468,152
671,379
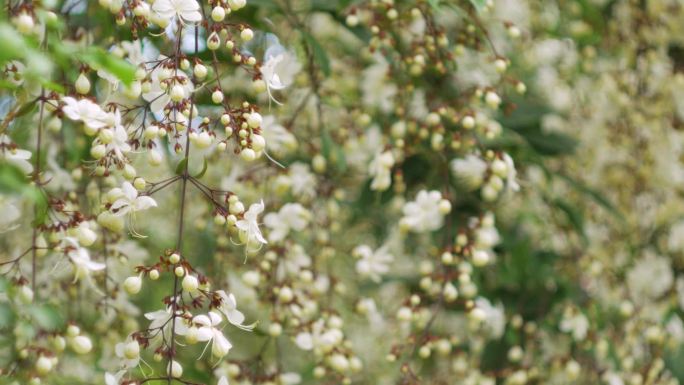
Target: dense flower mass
283,192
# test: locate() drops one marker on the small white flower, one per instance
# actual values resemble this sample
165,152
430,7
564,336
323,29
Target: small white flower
292,216
319,338
423,214
577,324
371,263
86,111
278,139
119,144
303,182
130,202
210,332
17,157
511,181
129,352
470,171
279,69
187,10
229,309
80,257
10,215
249,227
494,317
380,169
114,379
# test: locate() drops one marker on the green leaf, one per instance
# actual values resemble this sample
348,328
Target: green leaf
6,316
4,284
204,169
13,44
594,195
434,4
479,5
46,317
13,180
180,169
320,56
98,58
574,216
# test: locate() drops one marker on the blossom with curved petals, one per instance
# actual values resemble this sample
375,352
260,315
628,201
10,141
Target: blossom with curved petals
187,10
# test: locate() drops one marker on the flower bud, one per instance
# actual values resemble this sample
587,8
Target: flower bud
132,285
24,23
174,258
213,42
82,84
25,294
151,132
190,283
179,271
81,344
154,274
177,93
258,142
254,119
247,34
132,350
200,71
139,184
98,151
175,368
492,99
248,154
218,14
43,365
85,235
237,4
217,97
73,331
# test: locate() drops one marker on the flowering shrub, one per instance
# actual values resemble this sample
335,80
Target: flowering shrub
298,192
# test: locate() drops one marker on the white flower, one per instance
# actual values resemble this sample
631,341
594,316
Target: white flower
650,278
10,215
372,264
303,181
158,318
511,181
495,319
119,144
114,379
279,68
212,334
229,309
86,111
187,10
575,323
380,169
377,91
130,202
129,352
292,216
423,214
161,319
222,381
249,227
278,139
470,170
19,158
80,257
319,338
